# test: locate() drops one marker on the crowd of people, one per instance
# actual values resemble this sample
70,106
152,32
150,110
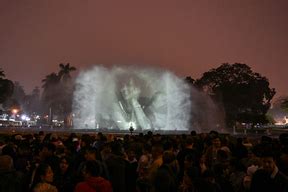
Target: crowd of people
212,162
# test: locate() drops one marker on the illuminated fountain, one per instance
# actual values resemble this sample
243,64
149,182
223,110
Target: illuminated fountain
122,97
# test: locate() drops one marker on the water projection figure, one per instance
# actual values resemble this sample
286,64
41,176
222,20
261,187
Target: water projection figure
122,97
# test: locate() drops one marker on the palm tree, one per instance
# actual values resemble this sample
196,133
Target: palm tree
50,93
64,73
67,91
57,93
50,80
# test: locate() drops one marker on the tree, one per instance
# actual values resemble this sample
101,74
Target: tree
189,80
58,92
2,74
32,102
50,81
284,103
245,95
67,92
17,99
6,87
65,70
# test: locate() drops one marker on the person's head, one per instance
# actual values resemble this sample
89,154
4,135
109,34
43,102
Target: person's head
90,154
9,149
239,141
44,173
86,140
267,156
157,150
131,154
64,164
91,169
189,142
190,161
168,145
168,157
47,150
6,162
268,163
266,140
117,148
216,142
193,133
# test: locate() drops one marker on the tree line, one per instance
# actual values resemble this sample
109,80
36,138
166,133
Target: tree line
244,94
55,100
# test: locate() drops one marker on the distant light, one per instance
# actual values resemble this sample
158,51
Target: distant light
14,111
23,117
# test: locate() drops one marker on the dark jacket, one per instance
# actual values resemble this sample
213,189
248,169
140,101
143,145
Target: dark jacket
11,180
262,181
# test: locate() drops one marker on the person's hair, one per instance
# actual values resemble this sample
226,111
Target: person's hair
87,139
68,159
264,150
168,144
51,147
193,133
41,170
116,148
158,147
9,150
6,162
266,140
168,157
189,141
93,168
90,150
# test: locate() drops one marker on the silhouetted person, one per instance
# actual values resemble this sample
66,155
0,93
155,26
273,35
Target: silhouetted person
93,182
10,180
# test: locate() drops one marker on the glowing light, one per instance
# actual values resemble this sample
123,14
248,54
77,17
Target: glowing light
15,111
25,118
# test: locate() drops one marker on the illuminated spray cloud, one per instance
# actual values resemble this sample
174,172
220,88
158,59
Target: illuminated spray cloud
121,97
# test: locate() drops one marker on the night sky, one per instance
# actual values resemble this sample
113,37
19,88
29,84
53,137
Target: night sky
188,37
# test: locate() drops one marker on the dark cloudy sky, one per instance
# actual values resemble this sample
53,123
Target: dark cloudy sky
188,37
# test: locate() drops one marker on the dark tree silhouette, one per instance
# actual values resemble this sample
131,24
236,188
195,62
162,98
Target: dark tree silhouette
17,99
65,70
189,80
32,102
284,104
58,92
245,95
2,74
6,87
